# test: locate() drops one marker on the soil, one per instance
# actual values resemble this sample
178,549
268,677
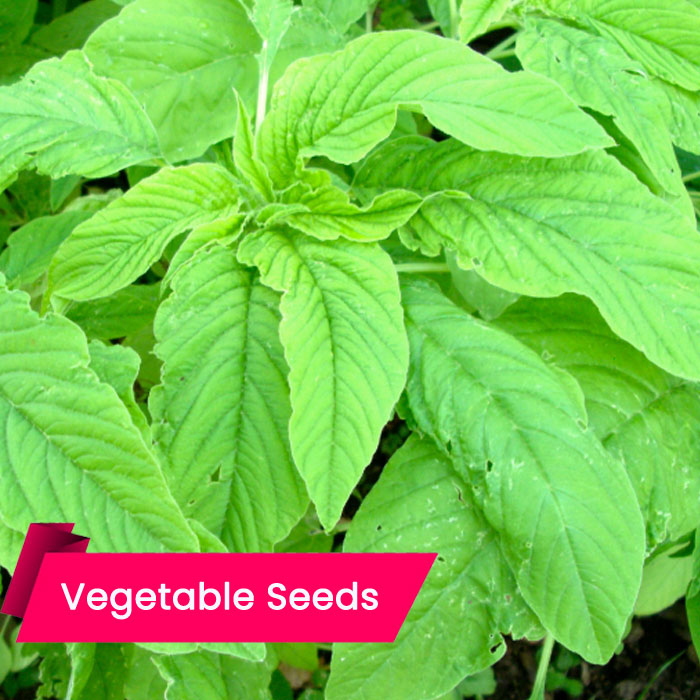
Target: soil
652,642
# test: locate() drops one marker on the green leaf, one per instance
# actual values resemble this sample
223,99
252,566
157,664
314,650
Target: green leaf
565,510
71,452
309,33
96,672
60,105
341,105
341,14
271,19
16,19
248,651
17,60
326,212
31,247
143,682
11,542
214,677
298,655
692,598
224,380
306,536
665,579
643,416
120,243
476,16
682,114
490,301
421,505
118,366
124,313
245,158
70,31
343,336
544,227
661,35
596,73
181,58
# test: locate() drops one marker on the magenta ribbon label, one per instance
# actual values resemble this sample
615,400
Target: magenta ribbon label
65,594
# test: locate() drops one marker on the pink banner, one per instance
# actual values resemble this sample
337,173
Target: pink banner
69,596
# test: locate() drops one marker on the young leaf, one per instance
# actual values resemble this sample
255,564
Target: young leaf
343,337
326,212
60,105
421,505
121,242
72,452
661,35
595,72
476,16
341,105
643,416
565,510
224,378
245,159
181,58
214,677
544,227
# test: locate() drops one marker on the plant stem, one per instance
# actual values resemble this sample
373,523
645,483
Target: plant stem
369,20
417,268
429,26
542,668
454,19
691,176
498,50
262,88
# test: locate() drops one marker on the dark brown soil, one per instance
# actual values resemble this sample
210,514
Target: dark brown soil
651,643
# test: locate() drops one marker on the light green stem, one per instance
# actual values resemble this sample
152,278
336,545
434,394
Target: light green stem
542,668
417,268
369,19
503,47
262,88
454,18
691,176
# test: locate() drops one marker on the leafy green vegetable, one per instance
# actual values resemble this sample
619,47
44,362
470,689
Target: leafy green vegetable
303,275
71,450
547,226
48,116
483,407
240,482
354,95
344,341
